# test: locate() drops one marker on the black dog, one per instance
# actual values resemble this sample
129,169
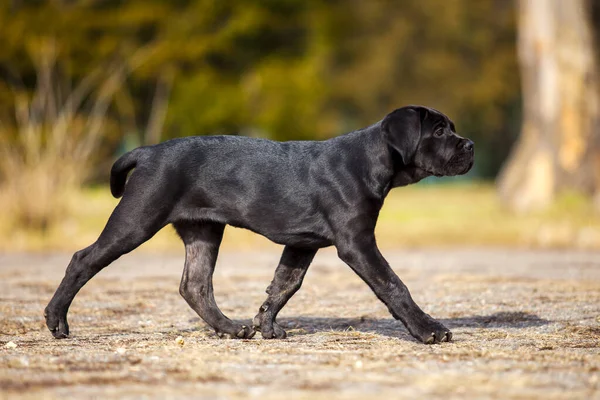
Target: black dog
303,194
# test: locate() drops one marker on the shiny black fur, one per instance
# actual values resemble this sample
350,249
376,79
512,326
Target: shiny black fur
302,194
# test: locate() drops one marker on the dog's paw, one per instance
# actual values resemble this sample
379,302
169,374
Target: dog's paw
241,332
437,337
429,331
276,332
268,328
57,323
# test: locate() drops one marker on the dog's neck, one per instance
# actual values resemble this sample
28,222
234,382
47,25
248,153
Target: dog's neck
387,169
407,175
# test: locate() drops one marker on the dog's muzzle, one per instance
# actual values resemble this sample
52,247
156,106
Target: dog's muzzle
461,162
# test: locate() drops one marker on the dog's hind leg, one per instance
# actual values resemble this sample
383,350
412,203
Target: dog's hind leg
202,241
287,280
133,221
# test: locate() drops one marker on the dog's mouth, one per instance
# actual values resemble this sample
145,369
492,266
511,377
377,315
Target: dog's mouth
459,164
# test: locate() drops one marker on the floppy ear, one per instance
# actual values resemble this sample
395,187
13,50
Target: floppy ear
402,130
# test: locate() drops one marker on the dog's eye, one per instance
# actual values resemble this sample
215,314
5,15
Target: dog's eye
438,132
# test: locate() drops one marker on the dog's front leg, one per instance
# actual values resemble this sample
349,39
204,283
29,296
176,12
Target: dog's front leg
287,280
363,256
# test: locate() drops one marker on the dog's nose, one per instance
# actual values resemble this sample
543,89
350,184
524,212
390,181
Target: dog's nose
468,145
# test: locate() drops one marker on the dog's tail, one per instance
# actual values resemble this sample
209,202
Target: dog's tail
120,169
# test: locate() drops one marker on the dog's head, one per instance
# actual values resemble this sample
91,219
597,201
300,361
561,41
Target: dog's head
426,139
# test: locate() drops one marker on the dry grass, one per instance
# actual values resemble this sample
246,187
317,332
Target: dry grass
416,216
49,146
526,325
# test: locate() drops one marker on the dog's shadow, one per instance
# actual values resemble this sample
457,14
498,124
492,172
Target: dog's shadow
392,328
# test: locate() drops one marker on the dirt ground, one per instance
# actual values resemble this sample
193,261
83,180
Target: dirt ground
526,325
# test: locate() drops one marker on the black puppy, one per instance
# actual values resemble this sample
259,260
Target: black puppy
303,194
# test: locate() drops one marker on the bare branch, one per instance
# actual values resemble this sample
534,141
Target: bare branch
159,107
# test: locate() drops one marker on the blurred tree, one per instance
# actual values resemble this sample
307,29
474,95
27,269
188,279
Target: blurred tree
559,146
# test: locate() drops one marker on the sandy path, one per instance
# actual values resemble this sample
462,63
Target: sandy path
526,325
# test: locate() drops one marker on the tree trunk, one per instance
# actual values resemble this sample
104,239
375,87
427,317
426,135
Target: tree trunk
559,146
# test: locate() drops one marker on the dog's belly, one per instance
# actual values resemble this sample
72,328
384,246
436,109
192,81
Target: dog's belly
298,239
293,229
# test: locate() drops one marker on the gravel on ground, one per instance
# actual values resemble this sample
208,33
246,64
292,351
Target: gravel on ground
526,324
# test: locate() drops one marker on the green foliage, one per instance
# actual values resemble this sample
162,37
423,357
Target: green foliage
282,69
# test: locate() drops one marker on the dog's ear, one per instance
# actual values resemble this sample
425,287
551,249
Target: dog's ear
402,130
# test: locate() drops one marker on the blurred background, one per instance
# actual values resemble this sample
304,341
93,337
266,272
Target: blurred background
82,82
